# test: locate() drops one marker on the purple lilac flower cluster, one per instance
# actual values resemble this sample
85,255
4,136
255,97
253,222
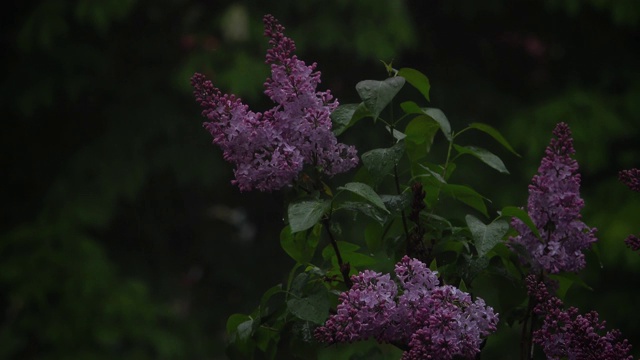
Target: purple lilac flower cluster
568,334
631,178
269,149
431,321
632,242
554,206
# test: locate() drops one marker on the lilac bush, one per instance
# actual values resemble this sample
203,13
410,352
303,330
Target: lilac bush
554,206
269,149
417,310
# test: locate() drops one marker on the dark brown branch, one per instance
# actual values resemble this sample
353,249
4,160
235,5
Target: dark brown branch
344,267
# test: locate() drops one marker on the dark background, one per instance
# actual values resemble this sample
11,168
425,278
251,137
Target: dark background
121,235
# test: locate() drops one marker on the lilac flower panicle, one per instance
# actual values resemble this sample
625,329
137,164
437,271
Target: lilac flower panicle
554,206
569,334
432,321
270,149
631,178
363,311
632,242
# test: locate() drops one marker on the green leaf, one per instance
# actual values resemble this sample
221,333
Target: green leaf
417,79
380,162
473,267
566,281
466,195
300,246
306,213
484,155
240,326
397,203
314,308
485,237
373,236
437,115
447,245
358,260
235,320
494,134
462,286
365,208
298,283
430,173
441,119
347,115
420,132
348,252
343,246
341,117
376,95
512,211
269,293
269,303
434,265
398,135
366,192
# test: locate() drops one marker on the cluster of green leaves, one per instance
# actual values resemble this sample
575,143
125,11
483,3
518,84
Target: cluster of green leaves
363,224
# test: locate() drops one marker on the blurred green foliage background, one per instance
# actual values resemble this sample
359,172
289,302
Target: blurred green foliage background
121,236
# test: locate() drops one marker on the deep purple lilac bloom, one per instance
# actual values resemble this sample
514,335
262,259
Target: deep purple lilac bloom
554,206
631,178
567,334
431,321
270,149
632,242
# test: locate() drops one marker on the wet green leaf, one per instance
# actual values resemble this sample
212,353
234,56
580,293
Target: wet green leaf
494,134
420,132
484,155
314,308
366,192
466,195
437,115
347,115
376,95
485,237
417,79
380,162
304,214
512,211
300,246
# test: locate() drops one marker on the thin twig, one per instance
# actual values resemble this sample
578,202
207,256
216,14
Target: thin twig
344,267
